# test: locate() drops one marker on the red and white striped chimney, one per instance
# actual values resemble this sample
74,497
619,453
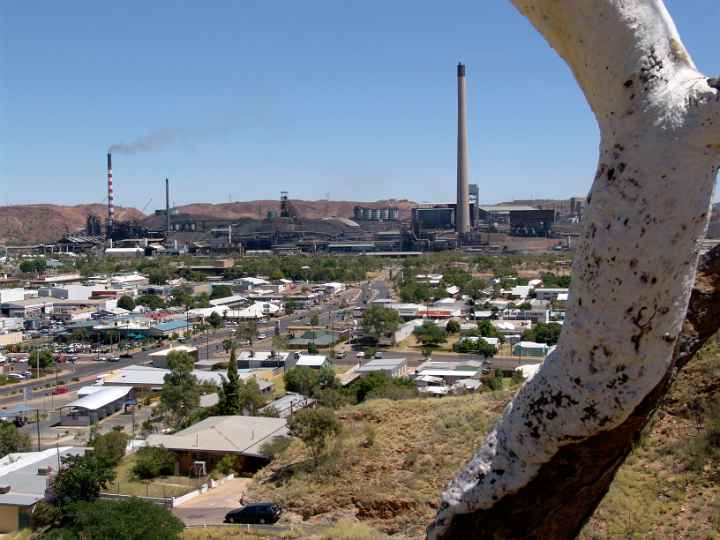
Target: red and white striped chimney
110,196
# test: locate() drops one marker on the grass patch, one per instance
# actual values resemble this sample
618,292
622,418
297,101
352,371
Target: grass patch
389,465
166,486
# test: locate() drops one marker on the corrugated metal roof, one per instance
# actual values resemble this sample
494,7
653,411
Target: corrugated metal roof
97,400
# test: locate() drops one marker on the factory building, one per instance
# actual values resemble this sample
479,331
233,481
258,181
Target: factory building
388,213
438,217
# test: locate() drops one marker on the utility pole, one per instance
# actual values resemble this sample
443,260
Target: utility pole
37,423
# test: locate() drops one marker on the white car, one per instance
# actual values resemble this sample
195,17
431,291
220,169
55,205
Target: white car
361,354
262,336
16,376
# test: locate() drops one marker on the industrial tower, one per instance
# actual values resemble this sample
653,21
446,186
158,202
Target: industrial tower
462,212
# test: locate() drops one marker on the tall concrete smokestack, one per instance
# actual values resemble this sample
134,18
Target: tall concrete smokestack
462,213
110,197
167,207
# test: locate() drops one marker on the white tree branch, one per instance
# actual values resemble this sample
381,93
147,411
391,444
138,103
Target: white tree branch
635,266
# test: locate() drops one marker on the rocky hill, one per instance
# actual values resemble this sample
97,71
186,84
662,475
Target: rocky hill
20,224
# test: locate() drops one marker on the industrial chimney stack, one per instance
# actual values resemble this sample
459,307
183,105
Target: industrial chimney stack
110,197
167,207
462,212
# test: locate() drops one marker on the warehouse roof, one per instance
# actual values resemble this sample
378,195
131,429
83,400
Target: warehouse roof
97,400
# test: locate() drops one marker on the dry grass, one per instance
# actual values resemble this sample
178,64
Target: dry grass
388,467
166,486
394,458
665,489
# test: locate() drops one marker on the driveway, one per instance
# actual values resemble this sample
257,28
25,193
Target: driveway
212,506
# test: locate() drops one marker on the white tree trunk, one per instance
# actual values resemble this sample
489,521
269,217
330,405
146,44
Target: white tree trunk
634,269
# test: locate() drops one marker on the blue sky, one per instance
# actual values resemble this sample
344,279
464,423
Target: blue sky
355,98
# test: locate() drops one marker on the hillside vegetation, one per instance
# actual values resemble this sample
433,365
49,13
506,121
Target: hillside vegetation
394,458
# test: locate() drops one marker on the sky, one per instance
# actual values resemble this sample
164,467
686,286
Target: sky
351,99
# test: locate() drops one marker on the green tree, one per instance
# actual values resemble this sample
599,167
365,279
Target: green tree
543,333
158,276
34,265
132,519
43,358
486,329
452,327
290,307
12,440
180,394
125,302
215,320
151,301
220,291
110,446
312,348
248,331
314,427
251,398
153,461
430,334
81,478
378,321
301,380
229,393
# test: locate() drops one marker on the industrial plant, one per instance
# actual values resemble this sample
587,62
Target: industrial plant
377,228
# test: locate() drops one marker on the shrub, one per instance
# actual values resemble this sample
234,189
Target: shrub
45,515
314,427
133,519
153,461
275,446
226,465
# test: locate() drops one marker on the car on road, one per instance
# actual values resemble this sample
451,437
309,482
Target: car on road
60,390
379,355
361,354
27,374
261,513
16,376
339,355
114,359
262,336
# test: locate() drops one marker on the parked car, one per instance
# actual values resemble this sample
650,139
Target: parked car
379,354
339,355
27,374
361,354
16,376
255,513
114,359
60,390
261,336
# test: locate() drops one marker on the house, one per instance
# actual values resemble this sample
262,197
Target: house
143,378
393,367
93,407
550,294
24,478
159,358
27,308
289,404
261,359
125,252
198,448
449,372
250,283
315,361
300,337
530,348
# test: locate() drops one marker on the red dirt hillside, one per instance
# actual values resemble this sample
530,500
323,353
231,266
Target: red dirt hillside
48,222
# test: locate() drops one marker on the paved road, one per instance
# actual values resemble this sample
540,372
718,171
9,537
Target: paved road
212,506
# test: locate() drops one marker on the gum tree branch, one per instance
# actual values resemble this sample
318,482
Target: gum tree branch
632,274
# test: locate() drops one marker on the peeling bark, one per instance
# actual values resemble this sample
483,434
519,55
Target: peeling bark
570,427
564,494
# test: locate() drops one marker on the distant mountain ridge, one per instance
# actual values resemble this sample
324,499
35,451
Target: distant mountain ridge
35,223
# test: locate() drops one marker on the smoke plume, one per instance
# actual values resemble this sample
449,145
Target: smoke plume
148,143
